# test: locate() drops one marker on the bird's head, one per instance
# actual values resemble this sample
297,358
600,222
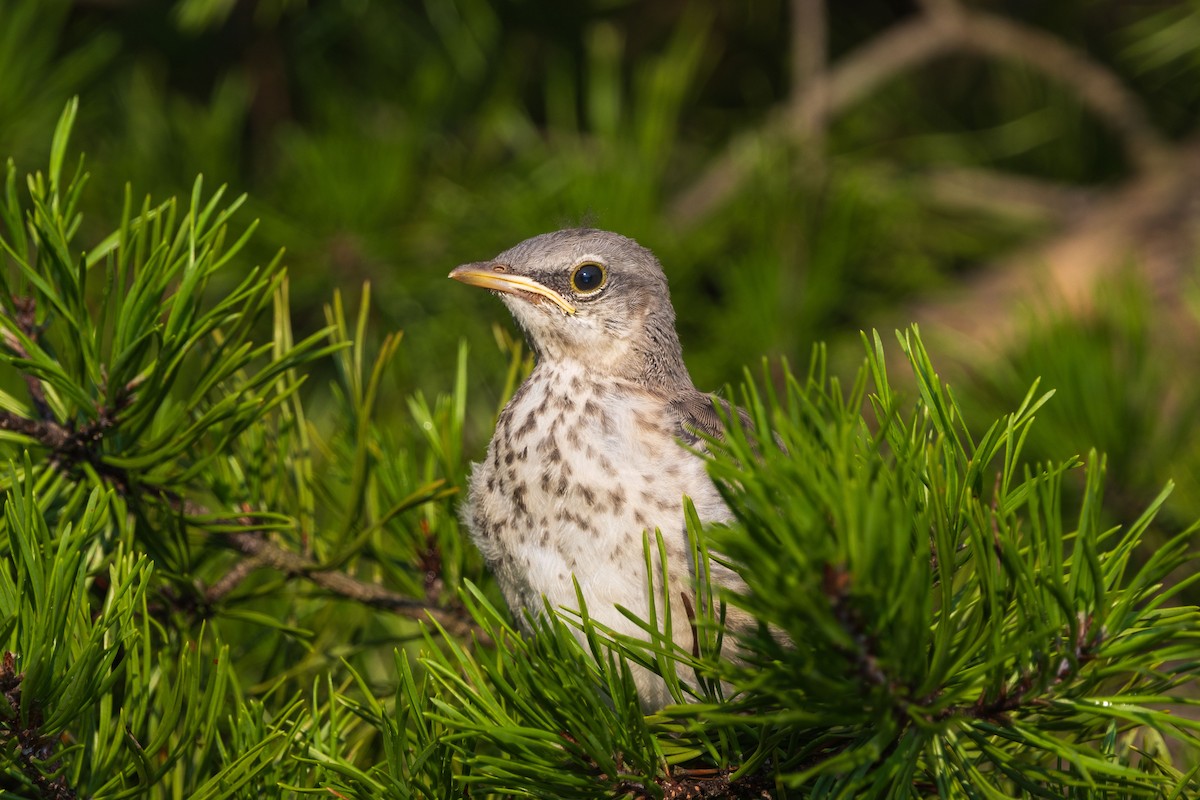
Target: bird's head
592,296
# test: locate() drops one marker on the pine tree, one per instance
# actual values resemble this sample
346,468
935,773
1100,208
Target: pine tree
220,583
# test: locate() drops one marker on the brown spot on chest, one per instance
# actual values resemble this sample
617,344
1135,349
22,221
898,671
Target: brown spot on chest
597,413
482,528
647,425
518,499
548,449
527,426
579,520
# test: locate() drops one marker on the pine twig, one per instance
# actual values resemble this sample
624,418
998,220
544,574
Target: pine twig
836,588
26,319
32,746
266,553
70,447
232,579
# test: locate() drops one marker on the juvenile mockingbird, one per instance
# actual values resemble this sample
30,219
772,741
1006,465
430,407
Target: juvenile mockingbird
586,456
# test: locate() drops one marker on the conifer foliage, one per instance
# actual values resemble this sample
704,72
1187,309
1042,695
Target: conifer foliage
219,583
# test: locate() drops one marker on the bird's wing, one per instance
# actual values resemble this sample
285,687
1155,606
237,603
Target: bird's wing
695,412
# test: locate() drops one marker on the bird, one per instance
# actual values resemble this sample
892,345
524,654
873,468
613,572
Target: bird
591,454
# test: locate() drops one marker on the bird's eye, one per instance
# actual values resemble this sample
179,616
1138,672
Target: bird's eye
588,278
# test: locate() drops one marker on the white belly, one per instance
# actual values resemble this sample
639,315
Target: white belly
574,477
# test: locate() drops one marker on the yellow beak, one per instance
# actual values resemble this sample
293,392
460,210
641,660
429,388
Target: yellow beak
484,274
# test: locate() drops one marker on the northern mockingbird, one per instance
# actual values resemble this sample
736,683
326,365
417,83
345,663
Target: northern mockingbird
586,456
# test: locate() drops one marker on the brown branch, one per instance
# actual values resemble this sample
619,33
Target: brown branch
944,30
67,444
430,563
808,42
835,585
46,432
1152,221
809,49
25,318
1097,86
900,48
1014,696
1010,697
231,580
72,446
267,553
32,747
1006,194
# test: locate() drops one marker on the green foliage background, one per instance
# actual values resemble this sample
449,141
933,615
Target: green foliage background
211,403
389,142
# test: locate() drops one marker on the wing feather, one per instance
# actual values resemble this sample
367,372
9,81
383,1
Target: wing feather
696,412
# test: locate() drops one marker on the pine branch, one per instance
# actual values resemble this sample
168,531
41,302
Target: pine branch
32,747
26,320
231,580
73,446
68,444
263,552
836,587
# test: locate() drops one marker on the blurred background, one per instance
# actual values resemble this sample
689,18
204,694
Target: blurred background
1022,179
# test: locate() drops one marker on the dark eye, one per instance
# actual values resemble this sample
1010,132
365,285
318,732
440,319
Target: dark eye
588,278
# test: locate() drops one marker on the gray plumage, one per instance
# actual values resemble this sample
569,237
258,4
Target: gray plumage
586,455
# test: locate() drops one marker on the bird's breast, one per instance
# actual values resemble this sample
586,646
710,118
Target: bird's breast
574,475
